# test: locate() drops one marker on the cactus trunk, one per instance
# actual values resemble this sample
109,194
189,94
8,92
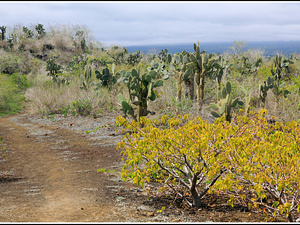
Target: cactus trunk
200,93
140,113
189,87
179,86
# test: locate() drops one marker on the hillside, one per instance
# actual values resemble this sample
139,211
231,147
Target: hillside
61,89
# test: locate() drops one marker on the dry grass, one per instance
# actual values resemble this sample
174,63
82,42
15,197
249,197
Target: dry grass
49,98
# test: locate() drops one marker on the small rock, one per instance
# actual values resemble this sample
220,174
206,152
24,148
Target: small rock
150,214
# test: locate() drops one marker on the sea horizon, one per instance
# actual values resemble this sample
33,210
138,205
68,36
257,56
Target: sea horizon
269,48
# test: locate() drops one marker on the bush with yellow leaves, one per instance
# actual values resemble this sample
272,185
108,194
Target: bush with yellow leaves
249,159
264,159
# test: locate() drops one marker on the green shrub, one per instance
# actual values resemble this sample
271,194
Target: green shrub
9,64
82,107
11,93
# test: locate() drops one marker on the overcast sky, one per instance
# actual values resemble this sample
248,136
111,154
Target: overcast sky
146,23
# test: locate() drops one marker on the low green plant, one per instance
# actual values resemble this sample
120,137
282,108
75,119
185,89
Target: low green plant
54,70
2,149
53,67
247,66
3,31
10,63
52,118
65,110
105,171
82,107
40,30
11,93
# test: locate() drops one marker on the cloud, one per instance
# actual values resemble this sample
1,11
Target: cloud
141,23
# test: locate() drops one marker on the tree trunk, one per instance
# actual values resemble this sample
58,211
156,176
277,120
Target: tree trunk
179,86
291,217
189,87
196,197
142,111
201,93
192,89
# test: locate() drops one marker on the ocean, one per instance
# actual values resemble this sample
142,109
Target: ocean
270,48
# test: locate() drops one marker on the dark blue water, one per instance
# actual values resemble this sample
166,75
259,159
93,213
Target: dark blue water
270,48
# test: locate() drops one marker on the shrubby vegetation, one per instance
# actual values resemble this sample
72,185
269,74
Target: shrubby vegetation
250,159
11,95
227,144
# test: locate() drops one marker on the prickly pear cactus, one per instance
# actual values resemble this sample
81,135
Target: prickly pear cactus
86,79
107,78
180,70
263,90
225,104
202,64
141,91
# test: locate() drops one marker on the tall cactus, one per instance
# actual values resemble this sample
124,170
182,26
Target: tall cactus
221,70
281,67
86,80
279,71
225,104
263,90
3,31
202,64
181,72
53,67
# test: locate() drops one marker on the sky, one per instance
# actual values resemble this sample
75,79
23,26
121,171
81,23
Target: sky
129,23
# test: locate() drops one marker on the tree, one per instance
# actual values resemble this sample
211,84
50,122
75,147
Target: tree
162,55
188,159
238,47
28,32
41,31
3,30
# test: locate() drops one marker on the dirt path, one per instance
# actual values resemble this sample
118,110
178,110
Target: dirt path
50,175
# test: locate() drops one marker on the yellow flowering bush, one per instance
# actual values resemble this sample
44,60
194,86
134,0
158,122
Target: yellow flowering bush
188,155
253,161
265,172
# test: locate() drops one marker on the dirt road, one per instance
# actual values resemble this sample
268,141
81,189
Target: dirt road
50,175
